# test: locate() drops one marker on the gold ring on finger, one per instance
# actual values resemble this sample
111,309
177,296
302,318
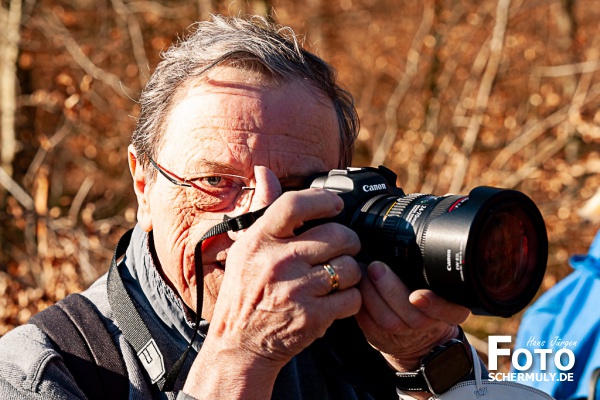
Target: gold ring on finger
335,279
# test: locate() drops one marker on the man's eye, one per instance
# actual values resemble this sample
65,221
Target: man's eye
214,180
217,185
217,182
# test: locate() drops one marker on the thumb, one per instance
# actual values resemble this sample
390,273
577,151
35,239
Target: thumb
266,191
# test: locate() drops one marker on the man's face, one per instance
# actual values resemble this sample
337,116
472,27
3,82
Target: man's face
228,122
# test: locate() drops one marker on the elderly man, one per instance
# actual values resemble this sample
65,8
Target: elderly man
229,115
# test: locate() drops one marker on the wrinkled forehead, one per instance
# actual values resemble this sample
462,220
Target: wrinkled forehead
244,118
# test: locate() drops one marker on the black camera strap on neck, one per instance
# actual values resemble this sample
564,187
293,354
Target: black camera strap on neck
129,320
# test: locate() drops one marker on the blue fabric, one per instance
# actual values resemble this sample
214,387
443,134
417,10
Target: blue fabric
569,311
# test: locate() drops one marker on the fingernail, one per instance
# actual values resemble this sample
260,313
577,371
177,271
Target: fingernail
376,271
339,205
421,301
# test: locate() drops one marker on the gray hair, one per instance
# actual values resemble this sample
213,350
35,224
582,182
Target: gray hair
250,44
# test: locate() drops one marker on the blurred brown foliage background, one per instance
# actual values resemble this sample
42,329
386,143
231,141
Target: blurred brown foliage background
451,94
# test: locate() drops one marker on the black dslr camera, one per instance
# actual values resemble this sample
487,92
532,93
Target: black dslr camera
486,251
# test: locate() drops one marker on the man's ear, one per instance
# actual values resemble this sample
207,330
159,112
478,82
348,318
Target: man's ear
140,186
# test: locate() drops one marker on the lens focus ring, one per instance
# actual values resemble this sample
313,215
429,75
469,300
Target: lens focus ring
394,213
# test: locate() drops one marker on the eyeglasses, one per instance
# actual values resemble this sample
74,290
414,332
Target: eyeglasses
211,191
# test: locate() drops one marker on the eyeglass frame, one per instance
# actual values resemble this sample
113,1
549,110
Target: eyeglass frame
288,184
179,181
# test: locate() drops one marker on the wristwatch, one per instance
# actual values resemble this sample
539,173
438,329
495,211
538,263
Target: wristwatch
442,368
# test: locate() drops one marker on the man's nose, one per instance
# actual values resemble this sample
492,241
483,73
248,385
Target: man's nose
266,191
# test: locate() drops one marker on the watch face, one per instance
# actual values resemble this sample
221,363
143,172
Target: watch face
447,368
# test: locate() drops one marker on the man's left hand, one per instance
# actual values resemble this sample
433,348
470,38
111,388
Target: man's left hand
404,326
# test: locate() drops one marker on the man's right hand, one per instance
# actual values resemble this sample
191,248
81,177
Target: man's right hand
275,298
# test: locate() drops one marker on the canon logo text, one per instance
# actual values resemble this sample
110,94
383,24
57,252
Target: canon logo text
372,188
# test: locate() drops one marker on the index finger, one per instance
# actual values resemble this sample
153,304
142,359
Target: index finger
292,209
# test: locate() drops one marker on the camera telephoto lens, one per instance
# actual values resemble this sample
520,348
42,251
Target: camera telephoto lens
486,250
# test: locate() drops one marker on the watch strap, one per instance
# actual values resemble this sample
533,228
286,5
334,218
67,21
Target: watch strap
415,381
411,381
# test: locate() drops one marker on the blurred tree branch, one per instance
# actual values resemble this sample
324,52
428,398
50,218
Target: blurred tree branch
46,147
54,29
567,118
411,70
556,71
158,9
137,40
436,104
14,189
483,96
9,49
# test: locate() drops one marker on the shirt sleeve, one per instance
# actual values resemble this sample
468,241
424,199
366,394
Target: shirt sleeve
30,368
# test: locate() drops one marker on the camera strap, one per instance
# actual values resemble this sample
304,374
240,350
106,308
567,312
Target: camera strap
131,323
